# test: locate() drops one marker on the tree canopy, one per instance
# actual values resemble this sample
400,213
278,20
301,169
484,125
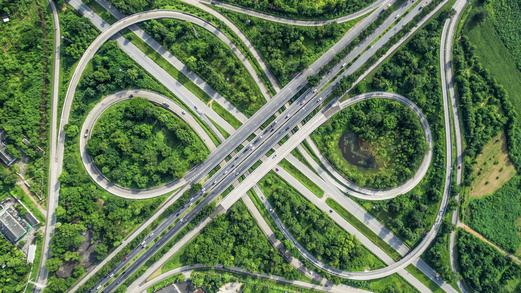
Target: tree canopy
138,145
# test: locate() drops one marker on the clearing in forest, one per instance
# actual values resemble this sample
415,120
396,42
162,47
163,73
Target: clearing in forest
494,167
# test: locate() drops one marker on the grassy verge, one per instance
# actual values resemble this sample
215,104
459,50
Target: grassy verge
234,122
157,58
424,279
20,194
301,178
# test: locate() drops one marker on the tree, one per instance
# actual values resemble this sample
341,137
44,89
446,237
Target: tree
53,264
71,130
101,250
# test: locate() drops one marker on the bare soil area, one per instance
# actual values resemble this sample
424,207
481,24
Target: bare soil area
493,169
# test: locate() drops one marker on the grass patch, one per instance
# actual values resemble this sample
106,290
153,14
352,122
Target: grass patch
493,167
301,178
424,279
234,122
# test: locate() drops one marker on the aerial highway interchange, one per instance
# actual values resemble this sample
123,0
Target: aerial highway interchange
287,123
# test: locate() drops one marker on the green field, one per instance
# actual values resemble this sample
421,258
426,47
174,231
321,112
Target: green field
302,178
495,57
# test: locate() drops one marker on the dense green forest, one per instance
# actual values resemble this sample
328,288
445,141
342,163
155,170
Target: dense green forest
312,228
235,240
413,71
13,275
139,145
304,9
288,49
495,216
206,55
485,269
25,73
384,134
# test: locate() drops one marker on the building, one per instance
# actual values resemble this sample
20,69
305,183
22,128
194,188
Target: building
12,227
6,157
6,19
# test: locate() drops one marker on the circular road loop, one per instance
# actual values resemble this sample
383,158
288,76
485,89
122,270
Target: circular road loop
113,99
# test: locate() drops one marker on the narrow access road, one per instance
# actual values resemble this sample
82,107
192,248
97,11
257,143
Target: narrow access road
188,269
55,165
298,22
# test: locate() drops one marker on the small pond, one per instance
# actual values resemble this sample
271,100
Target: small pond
350,147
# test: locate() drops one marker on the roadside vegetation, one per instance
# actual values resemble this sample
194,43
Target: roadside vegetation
485,269
498,216
377,143
25,75
13,275
206,55
304,9
234,240
288,49
91,222
413,71
140,145
312,228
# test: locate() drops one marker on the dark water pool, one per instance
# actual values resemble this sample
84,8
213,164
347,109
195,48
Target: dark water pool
350,147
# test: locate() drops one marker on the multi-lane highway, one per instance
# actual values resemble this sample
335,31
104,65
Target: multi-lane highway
271,135
279,134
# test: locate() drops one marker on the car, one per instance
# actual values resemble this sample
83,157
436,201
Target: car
166,104
287,116
274,156
302,102
272,130
130,96
86,132
236,173
271,210
330,211
125,260
319,99
225,172
111,275
215,182
183,112
397,16
315,90
459,167
97,288
343,65
287,128
277,169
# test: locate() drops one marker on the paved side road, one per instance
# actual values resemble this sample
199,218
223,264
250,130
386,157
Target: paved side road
189,269
283,20
55,166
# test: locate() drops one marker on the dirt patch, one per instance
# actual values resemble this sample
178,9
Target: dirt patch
230,288
86,249
493,169
65,270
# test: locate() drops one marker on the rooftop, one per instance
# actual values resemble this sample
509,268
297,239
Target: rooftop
6,157
12,226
